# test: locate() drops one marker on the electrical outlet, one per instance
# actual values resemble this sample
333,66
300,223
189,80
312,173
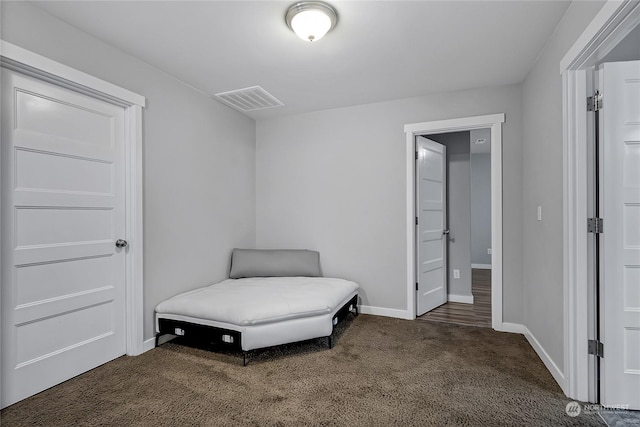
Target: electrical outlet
456,274
539,213
489,251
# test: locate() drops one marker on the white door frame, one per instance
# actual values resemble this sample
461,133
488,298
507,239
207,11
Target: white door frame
494,122
19,59
614,22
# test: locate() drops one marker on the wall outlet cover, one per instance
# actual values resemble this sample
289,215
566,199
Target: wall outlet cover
456,274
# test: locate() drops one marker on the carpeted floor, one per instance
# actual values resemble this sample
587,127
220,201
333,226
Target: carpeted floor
381,372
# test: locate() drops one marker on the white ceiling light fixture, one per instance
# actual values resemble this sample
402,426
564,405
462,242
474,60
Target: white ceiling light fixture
311,20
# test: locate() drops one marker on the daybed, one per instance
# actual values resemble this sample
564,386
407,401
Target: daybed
272,297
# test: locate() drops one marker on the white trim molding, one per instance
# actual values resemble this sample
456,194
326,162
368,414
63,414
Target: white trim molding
32,64
15,57
386,312
546,359
516,328
493,122
134,226
615,21
481,266
150,343
464,299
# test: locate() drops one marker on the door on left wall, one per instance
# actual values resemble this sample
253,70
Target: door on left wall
63,201
431,216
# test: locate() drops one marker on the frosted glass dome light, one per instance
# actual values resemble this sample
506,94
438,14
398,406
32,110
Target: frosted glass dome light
311,20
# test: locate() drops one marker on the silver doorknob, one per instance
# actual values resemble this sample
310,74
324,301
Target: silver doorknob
120,243
445,231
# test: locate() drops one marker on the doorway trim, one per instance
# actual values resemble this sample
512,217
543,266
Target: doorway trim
18,59
612,24
494,122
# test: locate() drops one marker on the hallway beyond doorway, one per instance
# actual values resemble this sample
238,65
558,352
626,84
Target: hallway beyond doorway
476,314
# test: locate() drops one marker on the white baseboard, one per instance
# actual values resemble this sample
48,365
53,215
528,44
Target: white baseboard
386,312
465,299
551,366
514,328
151,342
537,347
481,266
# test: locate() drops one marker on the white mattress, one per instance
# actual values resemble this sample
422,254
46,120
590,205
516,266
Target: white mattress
260,300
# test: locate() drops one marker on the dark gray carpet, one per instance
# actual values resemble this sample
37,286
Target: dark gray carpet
381,372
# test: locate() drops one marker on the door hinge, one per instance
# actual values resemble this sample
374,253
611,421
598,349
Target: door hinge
596,348
595,225
416,220
416,286
594,103
416,155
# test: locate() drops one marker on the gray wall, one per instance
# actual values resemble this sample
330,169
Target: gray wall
458,210
542,183
480,207
199,158
331,180
334,181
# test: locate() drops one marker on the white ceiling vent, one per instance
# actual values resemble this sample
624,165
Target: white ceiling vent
249,99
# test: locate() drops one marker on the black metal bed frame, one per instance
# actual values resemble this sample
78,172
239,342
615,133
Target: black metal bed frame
230,340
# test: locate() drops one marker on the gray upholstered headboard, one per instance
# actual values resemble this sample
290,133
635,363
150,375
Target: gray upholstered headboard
274,263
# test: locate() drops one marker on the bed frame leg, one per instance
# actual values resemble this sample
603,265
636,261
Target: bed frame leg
244,358
158,339
330,341
355,308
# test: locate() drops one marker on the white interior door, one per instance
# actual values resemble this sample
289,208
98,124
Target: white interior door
63,279
431,242
620,242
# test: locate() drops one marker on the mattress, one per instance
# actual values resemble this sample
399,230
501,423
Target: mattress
260,300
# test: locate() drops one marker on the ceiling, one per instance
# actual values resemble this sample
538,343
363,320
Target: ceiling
380,50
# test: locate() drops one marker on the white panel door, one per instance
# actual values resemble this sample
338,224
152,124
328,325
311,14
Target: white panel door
620,242
63,282
431,242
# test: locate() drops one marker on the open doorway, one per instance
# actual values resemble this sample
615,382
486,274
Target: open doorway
601,184
614,197
465,284
455,240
